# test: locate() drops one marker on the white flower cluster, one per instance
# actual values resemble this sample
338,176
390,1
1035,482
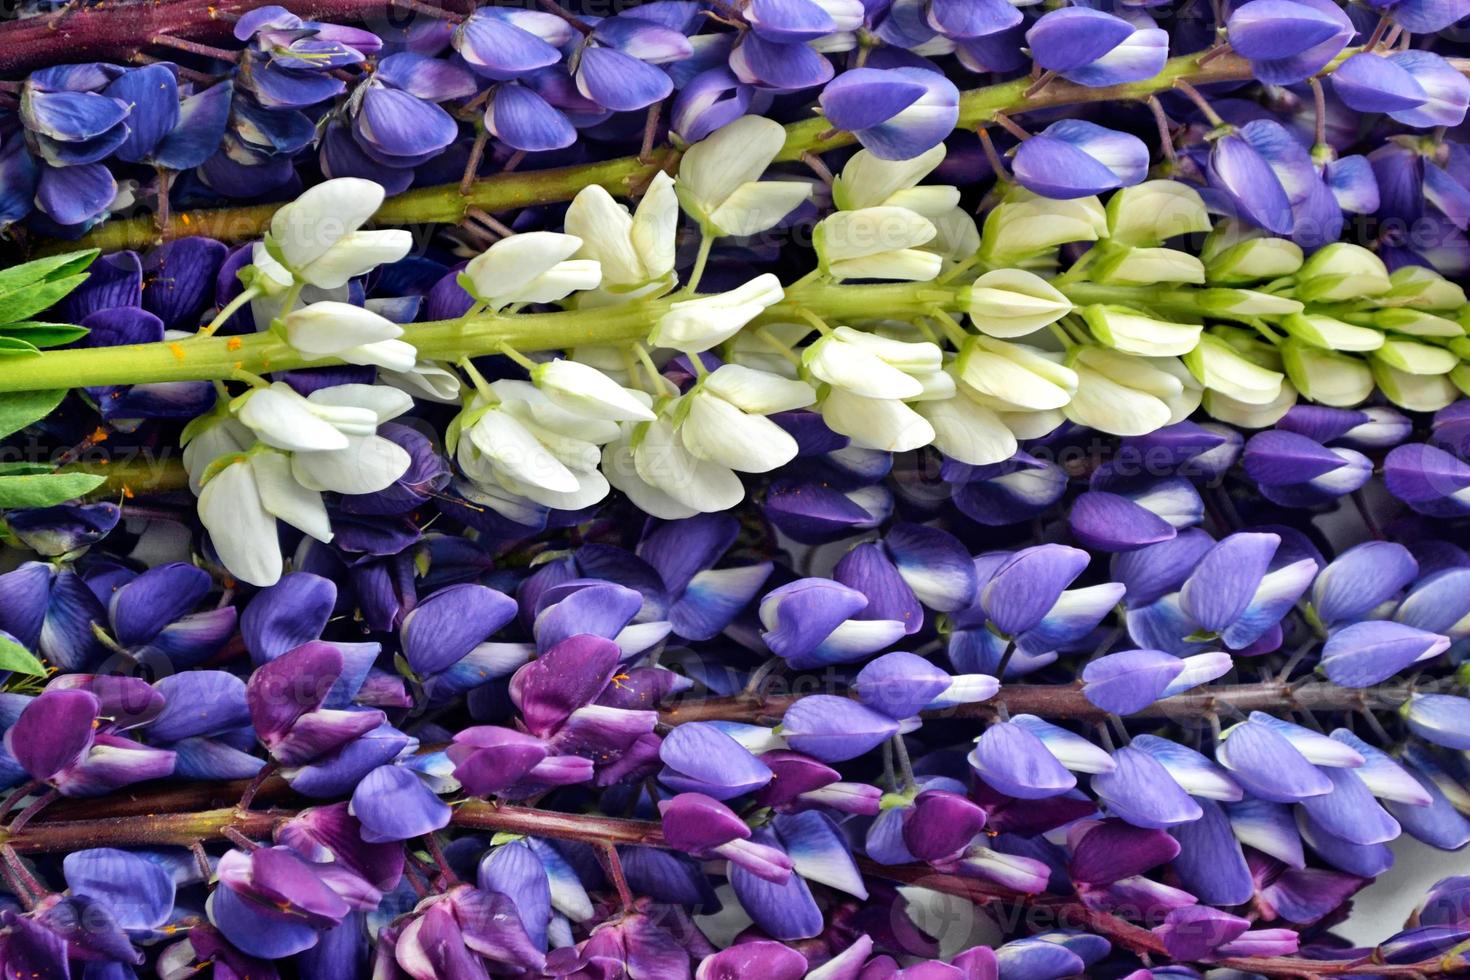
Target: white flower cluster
1116,343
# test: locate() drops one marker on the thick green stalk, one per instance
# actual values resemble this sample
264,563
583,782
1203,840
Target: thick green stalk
445,204
219,358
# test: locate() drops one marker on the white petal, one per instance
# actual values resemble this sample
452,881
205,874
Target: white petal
967,431
503,270
326,328
288,500
391,355
304,229
858,370
356,254
283,419
876,423
605,227
759,392
243,533
1103,404
384,402
732,155
511,447
584,390
870,231
758,205
367,465
663,462
621,471
655,225
592,487
719,432
426,380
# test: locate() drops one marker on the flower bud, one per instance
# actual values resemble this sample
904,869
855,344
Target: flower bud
1422,289
1134,333
1124,395
1417,323
1247,416
1341,271
1023,226
1326,376
1021,378
694,325
1012,303
1414,392
584,390
876,243
1146,266
1245,302
1220,367
1412,357
1156,210
1250,260
1320,330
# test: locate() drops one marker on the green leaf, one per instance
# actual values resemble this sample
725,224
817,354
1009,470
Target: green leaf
51,267
19,409
15,347
24,469
28,300
15,657
44,334
46,489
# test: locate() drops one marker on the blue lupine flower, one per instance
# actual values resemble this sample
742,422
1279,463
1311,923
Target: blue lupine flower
397,120
1294,471
896,113
1075,158
1288,41
1094,48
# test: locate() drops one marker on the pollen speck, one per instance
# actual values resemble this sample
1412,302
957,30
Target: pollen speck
178,350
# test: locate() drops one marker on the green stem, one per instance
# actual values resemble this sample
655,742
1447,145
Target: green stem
446,204
225,358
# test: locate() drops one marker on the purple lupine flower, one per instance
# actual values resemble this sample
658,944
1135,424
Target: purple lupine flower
448,628
288,700
703,827
74,126
616,66
702,600
1015,761
835,729
1288,41
1293,470
59,739
1075,158
397,119
1094,48
756,957
271,902
700,757
896,113
913,566
810,623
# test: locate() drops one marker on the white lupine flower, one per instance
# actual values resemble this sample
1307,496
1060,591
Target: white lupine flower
1341,271
695,325
867,181
1329,333
584,390
1422,289
1235,253
1238,413
719,179
218,437
1412,357
316,238
533,267
662,461
1016,376
871,366
876,243
885,424
281,418
633,249
509,447
550,421
327,328
759,392
1023,226
1415,392
967,431
1134,333
717,431
425,379
621,470
1326,376
1011,303
1109,405
242,530
750,349
1146,266
1155,210
369,462
1163,378
1220,367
